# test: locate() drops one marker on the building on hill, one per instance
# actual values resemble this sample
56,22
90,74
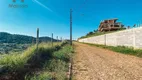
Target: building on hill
110,25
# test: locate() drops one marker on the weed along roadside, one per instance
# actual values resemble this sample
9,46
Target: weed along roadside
57,67
30,62
120,49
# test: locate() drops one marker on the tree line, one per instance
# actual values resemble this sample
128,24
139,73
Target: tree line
21,39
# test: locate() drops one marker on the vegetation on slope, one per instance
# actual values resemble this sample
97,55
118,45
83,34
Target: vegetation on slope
11,43
7,48
57,67
20,39
97,33
122,49
16,66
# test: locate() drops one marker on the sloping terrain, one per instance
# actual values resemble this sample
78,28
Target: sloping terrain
21,39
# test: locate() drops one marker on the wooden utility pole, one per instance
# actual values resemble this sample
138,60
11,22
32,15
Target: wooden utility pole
33,41
52,39
37,39
71,26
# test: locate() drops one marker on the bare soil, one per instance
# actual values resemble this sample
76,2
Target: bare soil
93,63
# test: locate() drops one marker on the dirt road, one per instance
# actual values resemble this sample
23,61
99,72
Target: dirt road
93,63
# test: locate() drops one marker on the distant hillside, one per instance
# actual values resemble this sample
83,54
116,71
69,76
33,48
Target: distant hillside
20,39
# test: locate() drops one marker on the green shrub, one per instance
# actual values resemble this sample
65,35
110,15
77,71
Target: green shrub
56,65
42,76
64,54
98,33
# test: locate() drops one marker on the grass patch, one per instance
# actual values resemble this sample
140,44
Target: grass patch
121,49
65,54
17,64
57,67
98,34
16,61
42,76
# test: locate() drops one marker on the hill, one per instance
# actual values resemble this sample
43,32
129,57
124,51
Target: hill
20,39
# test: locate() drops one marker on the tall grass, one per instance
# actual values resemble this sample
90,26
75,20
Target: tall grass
65,54
122,49
15,63
42,76
56,67
16,60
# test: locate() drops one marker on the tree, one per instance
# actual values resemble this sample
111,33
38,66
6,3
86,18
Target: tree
90,33
95,31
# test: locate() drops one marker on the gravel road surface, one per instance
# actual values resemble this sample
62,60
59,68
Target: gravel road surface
93,63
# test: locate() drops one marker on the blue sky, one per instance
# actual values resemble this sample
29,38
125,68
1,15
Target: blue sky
52,16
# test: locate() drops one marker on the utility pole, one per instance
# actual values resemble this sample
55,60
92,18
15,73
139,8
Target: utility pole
33,41
52,39
37,39
71,26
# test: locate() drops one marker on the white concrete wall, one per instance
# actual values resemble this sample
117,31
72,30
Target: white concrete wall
129,37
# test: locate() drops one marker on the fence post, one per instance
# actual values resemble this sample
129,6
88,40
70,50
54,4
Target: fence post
37,39
61,39
52,40
57,38
33,41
